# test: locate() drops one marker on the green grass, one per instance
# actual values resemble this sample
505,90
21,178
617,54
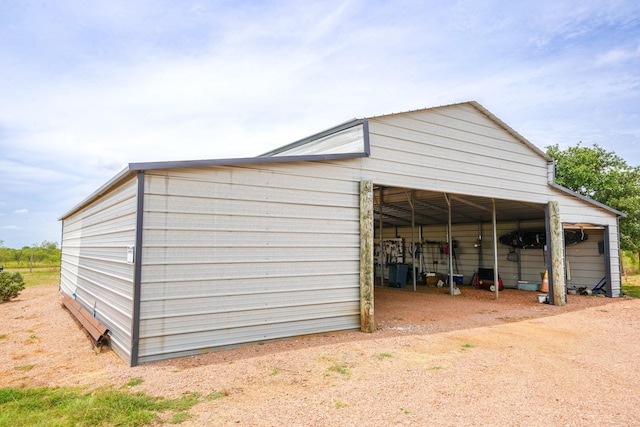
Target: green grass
71,407
134,382
38,276
341,369
631,286
217,395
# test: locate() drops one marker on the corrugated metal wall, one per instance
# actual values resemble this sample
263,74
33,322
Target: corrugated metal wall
240,254
94,264
455,150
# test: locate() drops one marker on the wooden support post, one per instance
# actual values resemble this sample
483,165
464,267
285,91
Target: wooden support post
366,257
557,255
412,200
382,258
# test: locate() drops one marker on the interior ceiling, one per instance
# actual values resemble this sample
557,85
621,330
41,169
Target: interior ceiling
431,208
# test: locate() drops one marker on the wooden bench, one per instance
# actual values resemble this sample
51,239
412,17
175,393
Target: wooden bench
96,330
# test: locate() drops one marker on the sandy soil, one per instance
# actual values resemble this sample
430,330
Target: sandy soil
435,360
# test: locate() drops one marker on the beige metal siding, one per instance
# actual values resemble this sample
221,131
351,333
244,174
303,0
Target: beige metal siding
241,254
94,264
456,150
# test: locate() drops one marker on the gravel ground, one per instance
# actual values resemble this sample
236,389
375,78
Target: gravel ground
435,360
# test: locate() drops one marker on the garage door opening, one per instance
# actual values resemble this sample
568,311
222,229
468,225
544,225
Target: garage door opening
430,238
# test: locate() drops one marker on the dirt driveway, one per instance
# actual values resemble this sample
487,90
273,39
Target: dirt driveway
435,360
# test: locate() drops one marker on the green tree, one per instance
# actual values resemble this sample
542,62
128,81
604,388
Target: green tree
606,178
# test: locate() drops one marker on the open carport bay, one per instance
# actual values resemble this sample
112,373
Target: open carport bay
420,220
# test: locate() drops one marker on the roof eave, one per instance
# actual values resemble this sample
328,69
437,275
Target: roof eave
134,168
587,199
509,129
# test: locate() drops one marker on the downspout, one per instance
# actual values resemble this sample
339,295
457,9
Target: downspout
137,273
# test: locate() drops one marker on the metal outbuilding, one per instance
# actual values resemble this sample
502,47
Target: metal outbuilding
183,257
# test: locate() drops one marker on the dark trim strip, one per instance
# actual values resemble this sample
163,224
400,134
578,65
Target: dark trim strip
365,134
61,256
137,275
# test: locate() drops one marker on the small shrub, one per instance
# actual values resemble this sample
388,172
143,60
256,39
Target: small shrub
11,284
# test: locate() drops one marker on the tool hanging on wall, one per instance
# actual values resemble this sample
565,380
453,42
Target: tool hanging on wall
445,250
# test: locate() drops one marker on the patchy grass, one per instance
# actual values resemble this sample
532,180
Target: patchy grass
384,355
102,407
25,367
134,382
217,395
341,369
467,345
631,285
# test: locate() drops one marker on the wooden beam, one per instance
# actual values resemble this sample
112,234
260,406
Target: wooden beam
96,330
367,323
557,254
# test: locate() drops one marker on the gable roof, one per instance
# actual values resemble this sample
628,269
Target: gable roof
279,155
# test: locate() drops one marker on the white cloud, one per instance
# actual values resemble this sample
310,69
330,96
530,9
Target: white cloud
10,227
617,56
20,211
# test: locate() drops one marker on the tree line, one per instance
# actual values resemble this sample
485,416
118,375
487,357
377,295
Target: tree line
45,254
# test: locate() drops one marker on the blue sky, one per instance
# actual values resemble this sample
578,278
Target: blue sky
88,87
